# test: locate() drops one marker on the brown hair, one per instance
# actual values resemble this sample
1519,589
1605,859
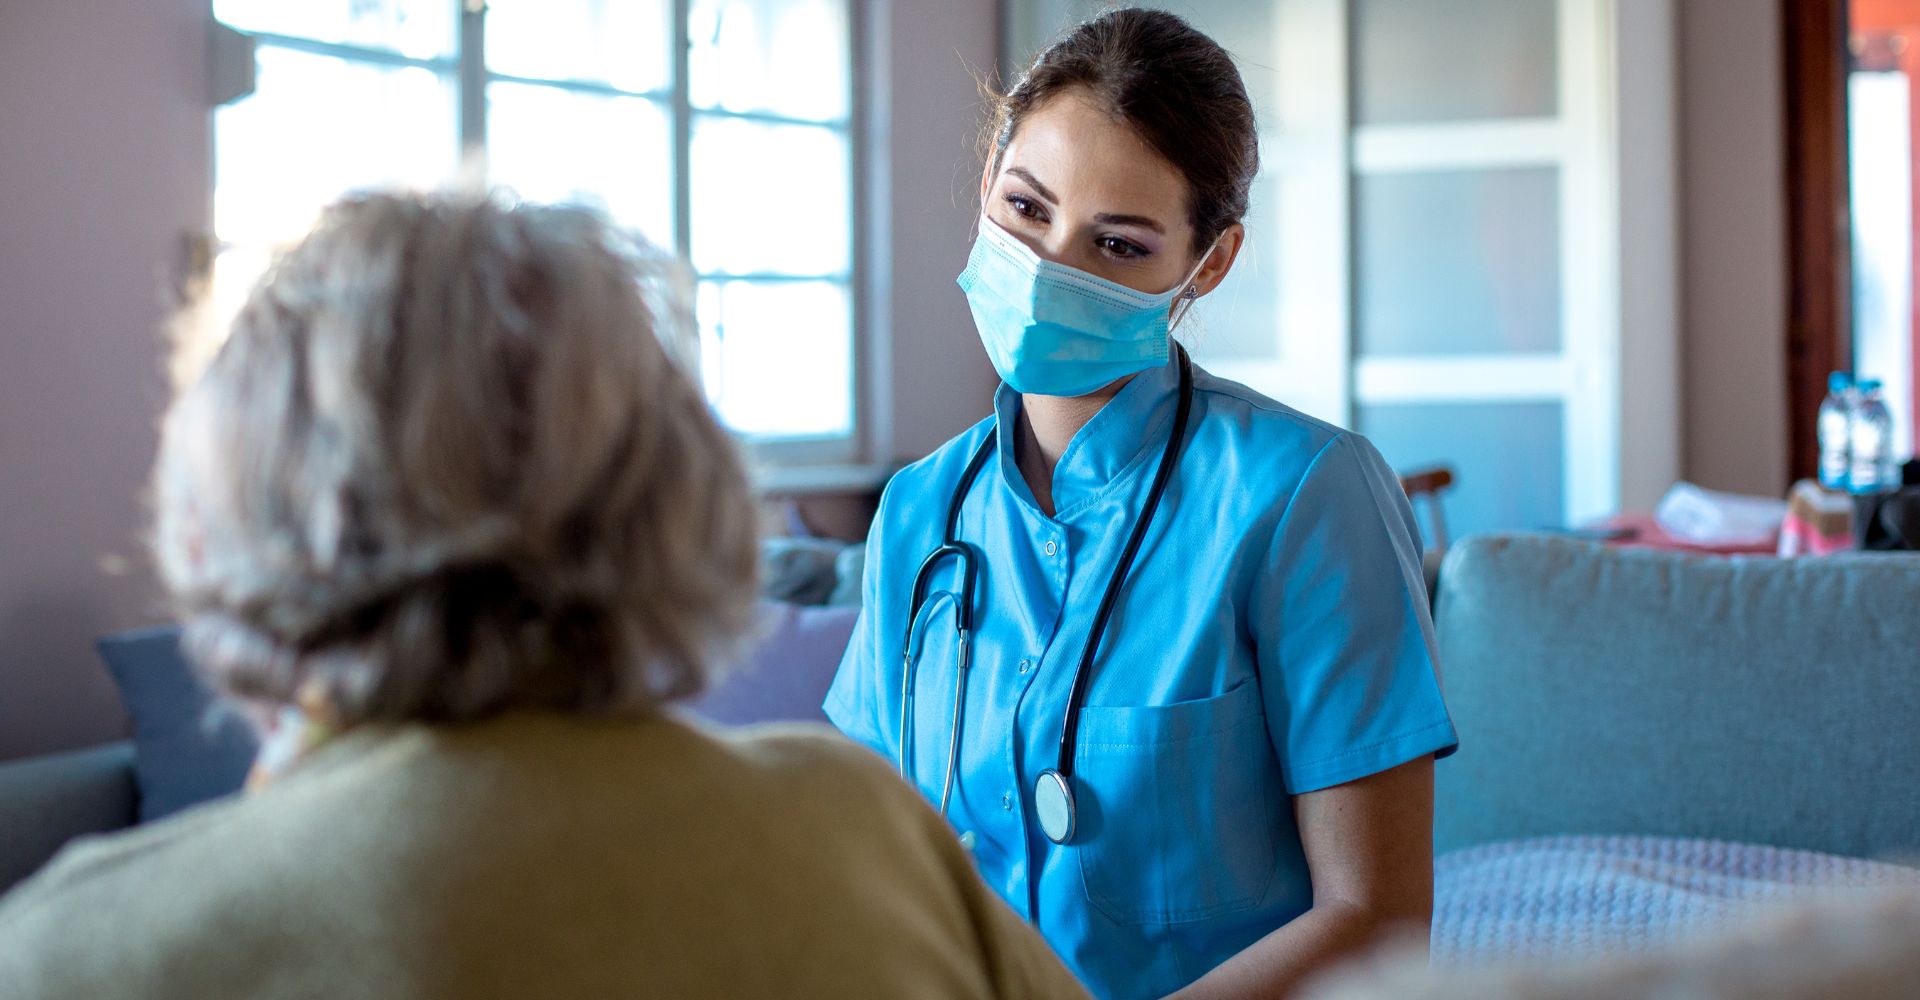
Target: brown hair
1177,88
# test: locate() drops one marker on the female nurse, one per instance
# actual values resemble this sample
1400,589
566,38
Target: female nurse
1155,644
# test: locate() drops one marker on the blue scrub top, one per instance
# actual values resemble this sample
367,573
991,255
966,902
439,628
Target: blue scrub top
1272,639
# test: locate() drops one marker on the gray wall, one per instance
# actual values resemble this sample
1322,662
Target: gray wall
1733,281
932,379
103,169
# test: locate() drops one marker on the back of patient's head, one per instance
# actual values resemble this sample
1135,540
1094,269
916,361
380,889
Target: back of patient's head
442,467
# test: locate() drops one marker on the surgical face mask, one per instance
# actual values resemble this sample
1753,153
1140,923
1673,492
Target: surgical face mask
1053,330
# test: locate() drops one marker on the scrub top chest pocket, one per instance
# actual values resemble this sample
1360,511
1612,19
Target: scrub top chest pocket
1181,805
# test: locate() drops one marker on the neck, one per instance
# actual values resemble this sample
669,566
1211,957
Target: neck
1047,426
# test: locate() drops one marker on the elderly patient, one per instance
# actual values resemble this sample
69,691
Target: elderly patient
446,508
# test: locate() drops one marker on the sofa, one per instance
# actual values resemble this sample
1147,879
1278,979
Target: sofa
183,751
1650,741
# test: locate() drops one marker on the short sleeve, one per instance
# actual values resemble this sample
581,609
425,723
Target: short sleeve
852,701
1342,634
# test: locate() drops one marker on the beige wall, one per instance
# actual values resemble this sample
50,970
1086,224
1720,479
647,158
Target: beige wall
1733,246
932,378
103,165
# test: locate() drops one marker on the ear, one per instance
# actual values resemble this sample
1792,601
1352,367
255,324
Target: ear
1220,260
986,180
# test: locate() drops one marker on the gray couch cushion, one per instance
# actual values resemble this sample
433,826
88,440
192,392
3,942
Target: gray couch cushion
1600,690
47,801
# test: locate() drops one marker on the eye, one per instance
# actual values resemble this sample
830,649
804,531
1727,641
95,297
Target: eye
1026,207
1121,248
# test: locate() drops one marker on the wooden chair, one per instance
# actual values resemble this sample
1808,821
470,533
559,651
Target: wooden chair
1427,485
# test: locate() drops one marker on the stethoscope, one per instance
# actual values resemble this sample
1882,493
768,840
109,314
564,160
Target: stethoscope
1053,790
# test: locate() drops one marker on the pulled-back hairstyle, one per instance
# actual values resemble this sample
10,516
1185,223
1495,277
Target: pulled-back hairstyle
442,467
1176,88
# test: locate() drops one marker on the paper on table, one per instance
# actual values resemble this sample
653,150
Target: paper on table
1708,517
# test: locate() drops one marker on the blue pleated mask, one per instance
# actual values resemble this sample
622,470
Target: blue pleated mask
1054,330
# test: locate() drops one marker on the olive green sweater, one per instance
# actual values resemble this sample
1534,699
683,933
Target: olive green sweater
535,856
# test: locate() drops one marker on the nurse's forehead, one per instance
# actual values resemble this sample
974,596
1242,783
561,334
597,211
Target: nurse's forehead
1091,162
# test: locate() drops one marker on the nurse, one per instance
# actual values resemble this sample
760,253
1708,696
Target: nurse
1157,645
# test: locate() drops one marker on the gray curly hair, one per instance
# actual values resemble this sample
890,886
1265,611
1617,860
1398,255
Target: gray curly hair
443,467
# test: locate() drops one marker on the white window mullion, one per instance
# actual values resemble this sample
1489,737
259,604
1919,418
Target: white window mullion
1483,145
682,131
1309,169
1589,310
1464,379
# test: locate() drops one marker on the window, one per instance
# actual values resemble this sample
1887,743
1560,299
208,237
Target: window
718,129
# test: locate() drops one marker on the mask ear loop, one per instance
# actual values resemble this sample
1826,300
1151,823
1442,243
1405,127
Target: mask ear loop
1192,293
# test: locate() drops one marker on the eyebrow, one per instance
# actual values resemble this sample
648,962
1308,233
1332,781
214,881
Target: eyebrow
1104,218
1026,175
1142,221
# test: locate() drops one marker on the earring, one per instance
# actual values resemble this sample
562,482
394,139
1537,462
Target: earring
1192,292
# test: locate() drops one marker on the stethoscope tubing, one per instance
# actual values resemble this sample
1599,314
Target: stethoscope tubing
969,559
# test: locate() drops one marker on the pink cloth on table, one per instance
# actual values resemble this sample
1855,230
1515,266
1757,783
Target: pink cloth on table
1647,534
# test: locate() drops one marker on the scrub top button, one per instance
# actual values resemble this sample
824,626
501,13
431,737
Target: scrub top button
1052,548
1026,665
1006,801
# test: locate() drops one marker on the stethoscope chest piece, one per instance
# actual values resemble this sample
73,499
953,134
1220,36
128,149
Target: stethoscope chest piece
1053,802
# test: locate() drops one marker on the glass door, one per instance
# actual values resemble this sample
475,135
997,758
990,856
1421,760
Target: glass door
1434,240
1480,332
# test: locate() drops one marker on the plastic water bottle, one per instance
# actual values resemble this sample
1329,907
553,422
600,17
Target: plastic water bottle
1835,432
1871,442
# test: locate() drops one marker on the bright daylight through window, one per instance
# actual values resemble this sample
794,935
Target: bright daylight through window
583,101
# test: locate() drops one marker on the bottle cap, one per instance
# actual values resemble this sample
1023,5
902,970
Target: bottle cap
1838,382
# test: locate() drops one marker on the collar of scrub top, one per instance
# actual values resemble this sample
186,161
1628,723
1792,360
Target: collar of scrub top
1130,426
1054,788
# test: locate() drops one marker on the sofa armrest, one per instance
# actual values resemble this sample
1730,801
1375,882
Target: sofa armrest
50,800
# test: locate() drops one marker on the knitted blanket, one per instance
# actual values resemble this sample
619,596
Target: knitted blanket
1572,896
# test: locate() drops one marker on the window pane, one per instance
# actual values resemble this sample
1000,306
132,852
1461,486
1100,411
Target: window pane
1426,61
784,57
1508,459
614,154
1880,174
423,29
777,357
1458,262
770,198
622,43
317,127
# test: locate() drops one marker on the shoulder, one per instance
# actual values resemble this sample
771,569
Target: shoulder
1277,444
938,472
98,861
113,905
803,759
820,780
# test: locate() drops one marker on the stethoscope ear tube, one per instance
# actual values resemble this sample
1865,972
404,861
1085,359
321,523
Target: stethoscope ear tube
950,546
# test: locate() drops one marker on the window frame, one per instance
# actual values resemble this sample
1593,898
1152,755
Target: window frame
466,70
